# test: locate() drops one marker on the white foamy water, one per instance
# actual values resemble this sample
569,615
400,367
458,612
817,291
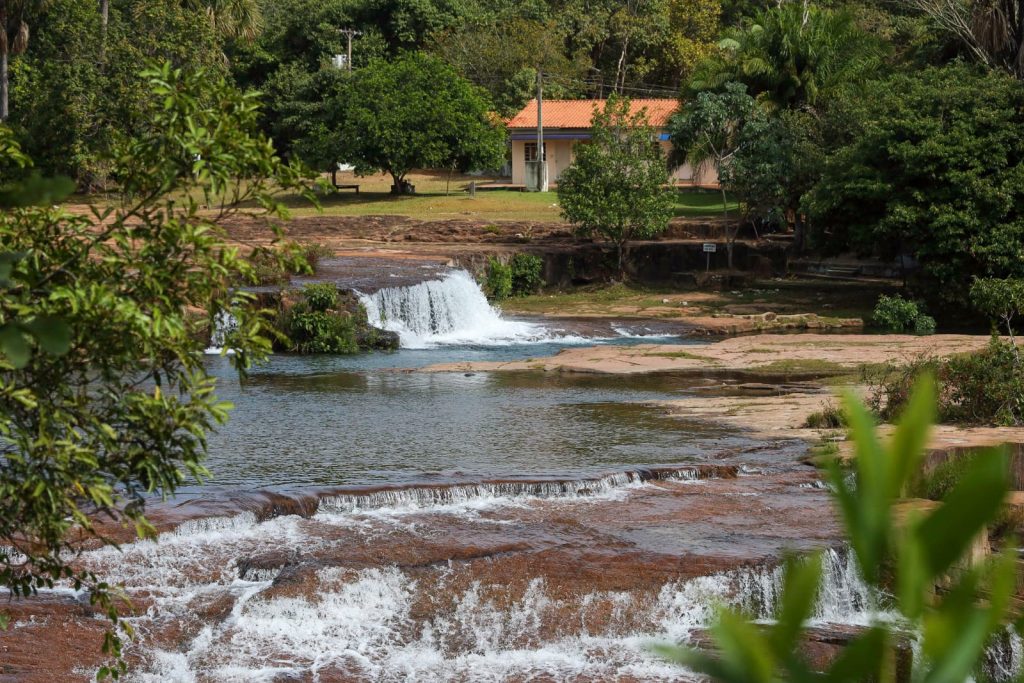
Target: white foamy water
223,325
388,624
452,310
364,624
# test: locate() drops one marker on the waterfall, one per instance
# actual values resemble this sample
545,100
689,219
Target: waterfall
505,492
452,310
223,325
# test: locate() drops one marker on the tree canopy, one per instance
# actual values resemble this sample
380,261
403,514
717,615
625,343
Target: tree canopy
615,188
104,400
413,112
934,169
792,56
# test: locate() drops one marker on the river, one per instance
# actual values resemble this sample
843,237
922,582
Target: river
366,522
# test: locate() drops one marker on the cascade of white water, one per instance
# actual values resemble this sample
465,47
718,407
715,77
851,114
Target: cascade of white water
452,310
223,325
422,497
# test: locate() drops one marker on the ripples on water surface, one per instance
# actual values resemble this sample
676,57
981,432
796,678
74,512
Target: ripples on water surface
356,420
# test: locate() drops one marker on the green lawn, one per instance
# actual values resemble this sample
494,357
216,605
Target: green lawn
695,203
437,198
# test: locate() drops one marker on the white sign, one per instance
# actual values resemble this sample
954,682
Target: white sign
710,248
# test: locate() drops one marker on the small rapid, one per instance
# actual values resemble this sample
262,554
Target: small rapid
449,310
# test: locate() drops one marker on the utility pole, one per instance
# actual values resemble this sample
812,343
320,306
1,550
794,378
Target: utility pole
542,166
349,33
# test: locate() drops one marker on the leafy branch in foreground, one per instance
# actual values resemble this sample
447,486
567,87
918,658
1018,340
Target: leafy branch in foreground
104,400
905,560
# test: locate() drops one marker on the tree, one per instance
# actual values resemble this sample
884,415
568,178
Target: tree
992,31
709,130
14,32
104,400
414,112
903,556
503,56
73,91
792,56
933,169
615,187
778,160
231,19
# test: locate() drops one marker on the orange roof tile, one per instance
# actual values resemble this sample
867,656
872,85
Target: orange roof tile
578,113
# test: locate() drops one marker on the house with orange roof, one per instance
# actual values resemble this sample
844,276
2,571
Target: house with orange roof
567,124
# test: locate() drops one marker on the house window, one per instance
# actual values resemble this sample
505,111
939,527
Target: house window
531,151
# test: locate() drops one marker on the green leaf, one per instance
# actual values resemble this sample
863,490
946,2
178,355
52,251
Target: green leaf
800,590
14,346
7,261
52,334
36,191
746,651
974,502
862,659
908,443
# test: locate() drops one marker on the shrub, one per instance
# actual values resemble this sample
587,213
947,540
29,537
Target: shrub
897,314
942,479
320,297
829,417
527,274
314,252
499,279
924,325
322,332
979,388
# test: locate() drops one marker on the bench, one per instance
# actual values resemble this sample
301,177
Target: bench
334,181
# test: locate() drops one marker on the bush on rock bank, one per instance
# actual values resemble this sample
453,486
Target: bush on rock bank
322,319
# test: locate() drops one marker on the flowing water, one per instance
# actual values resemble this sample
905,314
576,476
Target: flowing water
368,523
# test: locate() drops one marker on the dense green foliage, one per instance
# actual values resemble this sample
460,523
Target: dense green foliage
904,560
316,323
73,90
498,282
932,168
711,129
412,112
522,275
117,406
527,274
896,314
1001,299
614,189
792,56
984,388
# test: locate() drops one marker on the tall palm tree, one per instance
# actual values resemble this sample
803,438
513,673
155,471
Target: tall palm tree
792,55
14,35
231,19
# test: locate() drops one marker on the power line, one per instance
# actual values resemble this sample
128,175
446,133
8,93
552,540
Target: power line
593,83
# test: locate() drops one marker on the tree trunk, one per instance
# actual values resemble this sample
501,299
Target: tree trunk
104,20
798,233
621,247
400,186
4,83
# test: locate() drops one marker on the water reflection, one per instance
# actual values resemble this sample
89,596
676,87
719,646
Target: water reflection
303,421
